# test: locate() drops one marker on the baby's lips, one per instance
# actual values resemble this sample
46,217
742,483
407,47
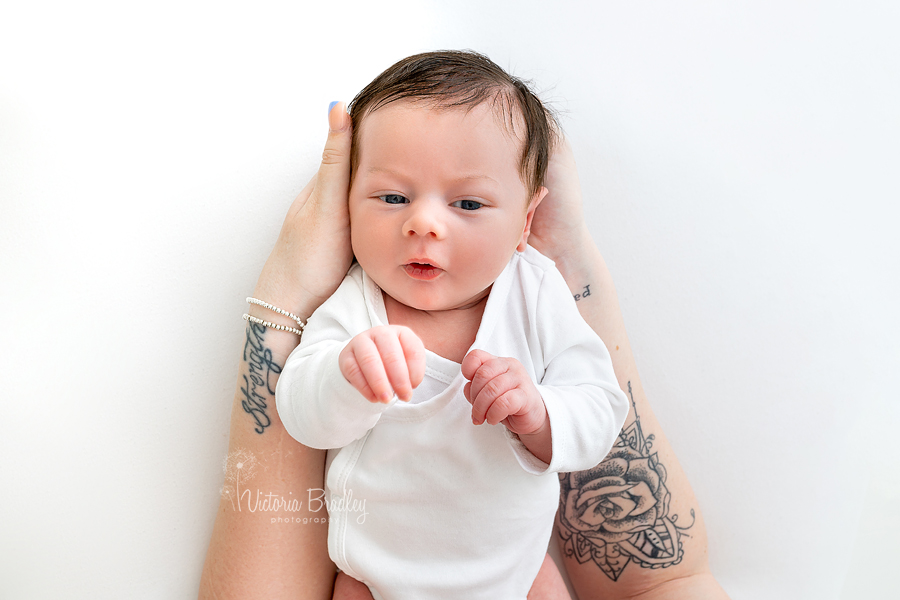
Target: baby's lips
425,262
421,271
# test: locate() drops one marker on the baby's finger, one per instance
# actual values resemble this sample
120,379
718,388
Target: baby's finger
473,361
369,359
507,404
414,352
485,374
393,362
354,375
488,394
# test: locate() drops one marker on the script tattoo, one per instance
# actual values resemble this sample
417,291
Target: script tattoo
584,293
262,368
618,512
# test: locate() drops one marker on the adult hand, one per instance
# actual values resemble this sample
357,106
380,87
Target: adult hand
313,253
558,230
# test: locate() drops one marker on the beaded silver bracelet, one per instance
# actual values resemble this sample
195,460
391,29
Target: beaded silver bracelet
272,325
280,311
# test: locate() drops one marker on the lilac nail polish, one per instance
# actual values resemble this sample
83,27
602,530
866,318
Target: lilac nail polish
330,106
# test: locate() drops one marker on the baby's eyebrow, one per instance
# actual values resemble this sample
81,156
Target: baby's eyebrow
394,173
383,170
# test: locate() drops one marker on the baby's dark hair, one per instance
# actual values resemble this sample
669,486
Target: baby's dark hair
465,79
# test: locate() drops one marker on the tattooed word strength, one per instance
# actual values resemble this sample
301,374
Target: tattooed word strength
262,368
584,294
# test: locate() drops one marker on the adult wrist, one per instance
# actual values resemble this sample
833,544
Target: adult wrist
285,294
282,333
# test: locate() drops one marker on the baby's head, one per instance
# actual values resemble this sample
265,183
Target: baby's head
448,163
463,80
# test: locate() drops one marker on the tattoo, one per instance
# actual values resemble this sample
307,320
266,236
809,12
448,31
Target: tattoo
262,369
618,512
584,294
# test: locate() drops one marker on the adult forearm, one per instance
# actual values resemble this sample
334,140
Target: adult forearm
269,537
643,534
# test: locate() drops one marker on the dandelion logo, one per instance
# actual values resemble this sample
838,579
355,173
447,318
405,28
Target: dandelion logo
240,467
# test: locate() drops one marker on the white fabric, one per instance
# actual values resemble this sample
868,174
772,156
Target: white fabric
426,504
439,374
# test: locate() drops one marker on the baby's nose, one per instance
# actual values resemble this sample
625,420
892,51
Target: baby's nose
426,219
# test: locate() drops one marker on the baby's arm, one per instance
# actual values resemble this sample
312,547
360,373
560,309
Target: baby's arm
501,391
317,402
585,406
572,414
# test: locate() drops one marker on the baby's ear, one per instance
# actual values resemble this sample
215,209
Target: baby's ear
535,200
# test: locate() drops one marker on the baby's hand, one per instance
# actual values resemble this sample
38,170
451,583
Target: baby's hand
383,361
500,391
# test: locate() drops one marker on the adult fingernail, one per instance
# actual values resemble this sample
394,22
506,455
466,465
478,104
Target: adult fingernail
337,119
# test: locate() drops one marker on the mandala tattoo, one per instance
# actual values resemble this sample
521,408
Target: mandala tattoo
618,512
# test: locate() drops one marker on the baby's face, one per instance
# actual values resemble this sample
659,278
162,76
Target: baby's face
437,205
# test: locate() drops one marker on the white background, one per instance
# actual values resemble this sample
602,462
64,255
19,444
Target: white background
740,162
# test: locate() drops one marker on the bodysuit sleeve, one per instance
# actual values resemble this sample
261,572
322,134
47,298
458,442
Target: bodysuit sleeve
585,405
318,406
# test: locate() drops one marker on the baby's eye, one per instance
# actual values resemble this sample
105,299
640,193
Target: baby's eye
467,204
393,199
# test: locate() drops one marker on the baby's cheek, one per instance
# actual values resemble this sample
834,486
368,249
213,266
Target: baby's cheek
365,244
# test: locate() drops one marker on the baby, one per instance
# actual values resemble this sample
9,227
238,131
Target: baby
450,374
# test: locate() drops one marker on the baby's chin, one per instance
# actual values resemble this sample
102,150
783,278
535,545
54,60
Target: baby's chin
425,305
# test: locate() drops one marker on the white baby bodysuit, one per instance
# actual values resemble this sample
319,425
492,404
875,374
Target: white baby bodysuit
424,504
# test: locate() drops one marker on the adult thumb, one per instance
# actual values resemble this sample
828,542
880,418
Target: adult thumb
333,180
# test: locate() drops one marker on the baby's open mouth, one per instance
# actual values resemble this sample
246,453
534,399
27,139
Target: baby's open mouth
422,271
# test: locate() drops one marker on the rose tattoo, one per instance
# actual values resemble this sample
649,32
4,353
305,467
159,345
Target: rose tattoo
619,510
